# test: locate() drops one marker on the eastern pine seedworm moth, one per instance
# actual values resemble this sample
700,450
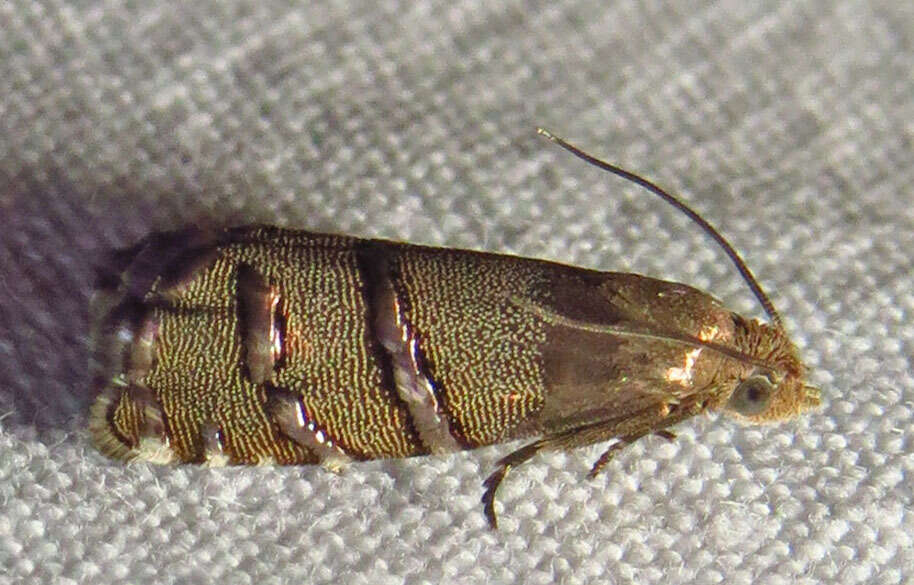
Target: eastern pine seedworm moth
257,344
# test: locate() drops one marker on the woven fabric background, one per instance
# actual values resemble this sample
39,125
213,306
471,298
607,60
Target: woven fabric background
788,124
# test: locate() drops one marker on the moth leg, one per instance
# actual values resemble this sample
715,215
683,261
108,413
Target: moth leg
608,455
627,430
504,465
611,451
564,440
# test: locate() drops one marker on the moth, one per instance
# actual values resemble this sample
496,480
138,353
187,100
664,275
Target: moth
260,345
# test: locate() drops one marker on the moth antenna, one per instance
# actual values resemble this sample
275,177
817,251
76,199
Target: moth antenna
740,264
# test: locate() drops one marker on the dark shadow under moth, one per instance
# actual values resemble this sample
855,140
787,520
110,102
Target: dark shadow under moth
259,345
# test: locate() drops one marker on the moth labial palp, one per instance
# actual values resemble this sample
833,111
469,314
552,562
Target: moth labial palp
258,344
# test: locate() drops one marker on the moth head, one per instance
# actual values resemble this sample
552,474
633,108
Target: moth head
763,397
776,389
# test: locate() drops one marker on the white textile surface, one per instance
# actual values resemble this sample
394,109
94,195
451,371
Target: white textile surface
789,124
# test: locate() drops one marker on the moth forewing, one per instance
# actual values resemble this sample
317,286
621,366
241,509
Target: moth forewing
264,345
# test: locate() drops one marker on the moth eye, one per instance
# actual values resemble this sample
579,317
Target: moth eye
751,396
